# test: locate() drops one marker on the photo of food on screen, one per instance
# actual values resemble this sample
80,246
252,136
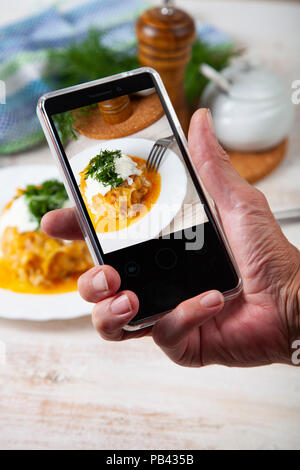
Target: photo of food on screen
130,172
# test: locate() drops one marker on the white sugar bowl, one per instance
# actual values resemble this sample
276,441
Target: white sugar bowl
251,107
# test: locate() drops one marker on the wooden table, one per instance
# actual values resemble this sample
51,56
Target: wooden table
62,387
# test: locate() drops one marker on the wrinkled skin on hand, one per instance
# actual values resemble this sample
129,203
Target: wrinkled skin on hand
256,328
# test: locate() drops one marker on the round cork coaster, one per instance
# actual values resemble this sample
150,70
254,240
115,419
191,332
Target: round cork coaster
146,111
255,166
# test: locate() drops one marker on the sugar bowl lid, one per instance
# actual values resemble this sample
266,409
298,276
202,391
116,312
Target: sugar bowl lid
246,80
253,83
251,106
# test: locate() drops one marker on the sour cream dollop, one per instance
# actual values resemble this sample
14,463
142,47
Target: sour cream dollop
18,215
125,168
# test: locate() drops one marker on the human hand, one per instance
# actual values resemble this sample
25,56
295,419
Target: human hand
256,328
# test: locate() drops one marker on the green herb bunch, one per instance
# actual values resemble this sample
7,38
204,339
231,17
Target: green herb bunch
80,62
47,197
102,168
65,122
90,59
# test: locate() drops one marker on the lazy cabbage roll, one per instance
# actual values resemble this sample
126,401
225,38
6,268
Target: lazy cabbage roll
30,261
118,190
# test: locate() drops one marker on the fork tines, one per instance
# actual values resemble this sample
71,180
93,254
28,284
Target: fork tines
157,152
155,157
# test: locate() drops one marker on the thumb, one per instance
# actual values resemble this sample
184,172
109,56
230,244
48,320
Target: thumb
220,178
173,328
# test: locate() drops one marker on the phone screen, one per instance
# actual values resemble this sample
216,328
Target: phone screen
142,197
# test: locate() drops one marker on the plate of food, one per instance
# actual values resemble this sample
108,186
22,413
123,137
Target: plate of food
38,275
127,203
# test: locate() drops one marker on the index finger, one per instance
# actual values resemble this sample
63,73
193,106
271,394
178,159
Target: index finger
62,223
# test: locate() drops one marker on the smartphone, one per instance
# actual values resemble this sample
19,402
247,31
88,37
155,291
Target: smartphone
152,220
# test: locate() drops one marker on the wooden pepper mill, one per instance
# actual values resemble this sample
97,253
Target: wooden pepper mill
116,110
165,38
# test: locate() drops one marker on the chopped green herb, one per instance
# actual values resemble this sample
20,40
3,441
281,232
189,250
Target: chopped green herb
102,168
47,197
87,59
64,123
91,59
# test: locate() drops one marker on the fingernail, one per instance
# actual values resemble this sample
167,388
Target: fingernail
99,282
210,121
121,305
213,299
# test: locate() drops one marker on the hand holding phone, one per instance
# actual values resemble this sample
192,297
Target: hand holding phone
250,330
153,222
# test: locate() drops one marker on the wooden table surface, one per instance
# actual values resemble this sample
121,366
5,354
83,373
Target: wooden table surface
62,387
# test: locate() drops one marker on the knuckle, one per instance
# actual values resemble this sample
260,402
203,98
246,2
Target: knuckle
182,314
222,154
84,288
104,323
250,201
101,320
166,333
160,337
83,293
86,276
260,198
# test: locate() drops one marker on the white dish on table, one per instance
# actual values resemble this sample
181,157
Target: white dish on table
173,191
62,306
36,307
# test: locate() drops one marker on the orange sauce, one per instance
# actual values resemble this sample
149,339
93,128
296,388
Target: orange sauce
9,281
18,248
147,202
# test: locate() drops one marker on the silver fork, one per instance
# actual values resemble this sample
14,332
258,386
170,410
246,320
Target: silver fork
157,152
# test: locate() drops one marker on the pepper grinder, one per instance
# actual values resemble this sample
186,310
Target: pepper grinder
165,38
116,110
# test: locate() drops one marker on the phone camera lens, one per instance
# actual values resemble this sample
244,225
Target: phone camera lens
132,269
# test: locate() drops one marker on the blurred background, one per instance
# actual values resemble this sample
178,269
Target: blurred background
62,387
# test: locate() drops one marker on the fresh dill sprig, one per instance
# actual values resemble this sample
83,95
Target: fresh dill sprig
80,62
87,60
102,168
64,123
44,198
90,59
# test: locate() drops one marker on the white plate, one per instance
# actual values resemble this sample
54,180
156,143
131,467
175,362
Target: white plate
173,191
39,307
